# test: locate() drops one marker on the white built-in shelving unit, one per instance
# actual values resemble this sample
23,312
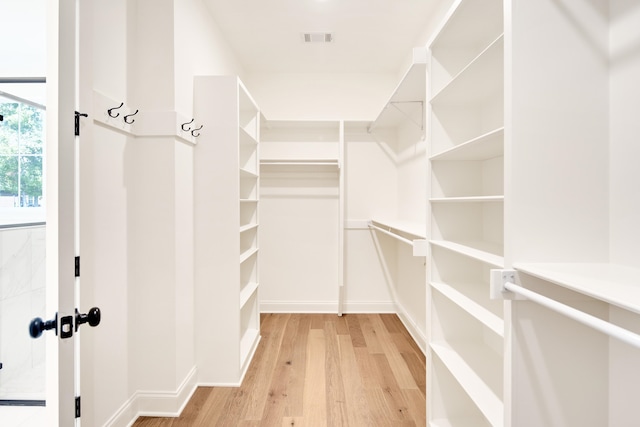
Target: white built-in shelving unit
533,174
301,164
466,204
227,199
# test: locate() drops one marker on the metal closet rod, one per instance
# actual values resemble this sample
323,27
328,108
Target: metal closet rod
596,323
389,233
23,79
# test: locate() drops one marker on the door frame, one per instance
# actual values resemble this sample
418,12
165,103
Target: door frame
60,207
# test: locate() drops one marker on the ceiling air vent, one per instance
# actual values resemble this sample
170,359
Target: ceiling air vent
317,37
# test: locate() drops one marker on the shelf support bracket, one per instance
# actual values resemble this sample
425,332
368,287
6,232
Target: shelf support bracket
497,281
419,124
395,104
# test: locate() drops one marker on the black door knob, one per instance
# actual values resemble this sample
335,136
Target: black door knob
37,326
92,318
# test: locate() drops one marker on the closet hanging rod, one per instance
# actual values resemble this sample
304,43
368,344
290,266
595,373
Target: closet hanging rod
389,233
596,323
10,80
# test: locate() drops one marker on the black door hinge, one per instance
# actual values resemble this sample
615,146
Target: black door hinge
78,407
77,123
77,266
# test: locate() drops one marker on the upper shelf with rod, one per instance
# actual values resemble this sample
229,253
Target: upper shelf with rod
300,146
408,99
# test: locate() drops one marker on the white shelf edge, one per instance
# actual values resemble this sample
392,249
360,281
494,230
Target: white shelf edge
248,227
414,228
480,393
418,64
471,250
614,284
310,164
454,422
249,200
468,145
247,254
477,311
246,138
470,65
470,199
248,344
246,293
248,173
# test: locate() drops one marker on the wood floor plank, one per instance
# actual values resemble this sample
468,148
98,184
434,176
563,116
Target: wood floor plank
314,394
356,401
192,411
336,409
417,367
214,408
355,331
318,370
297,376
370,335
398,407
396,362
415,400
279,394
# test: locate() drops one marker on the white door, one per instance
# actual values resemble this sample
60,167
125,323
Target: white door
63,356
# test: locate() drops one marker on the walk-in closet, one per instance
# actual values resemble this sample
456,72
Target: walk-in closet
318,212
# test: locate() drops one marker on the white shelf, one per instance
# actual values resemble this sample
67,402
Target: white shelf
481,79
483,147
475,199
299,165
246,138
247,254
413,228
481,393
248,227
614,284
479,312
404,104
482,251
454,422
248,344
249,200
247,292
244,173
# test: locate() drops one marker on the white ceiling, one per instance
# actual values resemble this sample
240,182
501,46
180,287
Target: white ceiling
370,36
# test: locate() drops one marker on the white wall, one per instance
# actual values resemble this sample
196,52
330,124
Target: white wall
624,197
137,206
201,50
625,128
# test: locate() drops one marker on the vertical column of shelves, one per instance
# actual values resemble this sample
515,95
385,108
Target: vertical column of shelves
248,169
226,197
466,124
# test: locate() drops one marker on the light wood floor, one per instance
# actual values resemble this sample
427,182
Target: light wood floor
357,370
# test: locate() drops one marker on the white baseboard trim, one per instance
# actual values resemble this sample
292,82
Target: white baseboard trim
155,403
326,307
418,336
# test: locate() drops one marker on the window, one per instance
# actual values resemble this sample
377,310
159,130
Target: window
21,160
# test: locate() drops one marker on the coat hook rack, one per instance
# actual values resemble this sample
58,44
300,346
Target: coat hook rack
185,124
129,115
114,108
193,131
